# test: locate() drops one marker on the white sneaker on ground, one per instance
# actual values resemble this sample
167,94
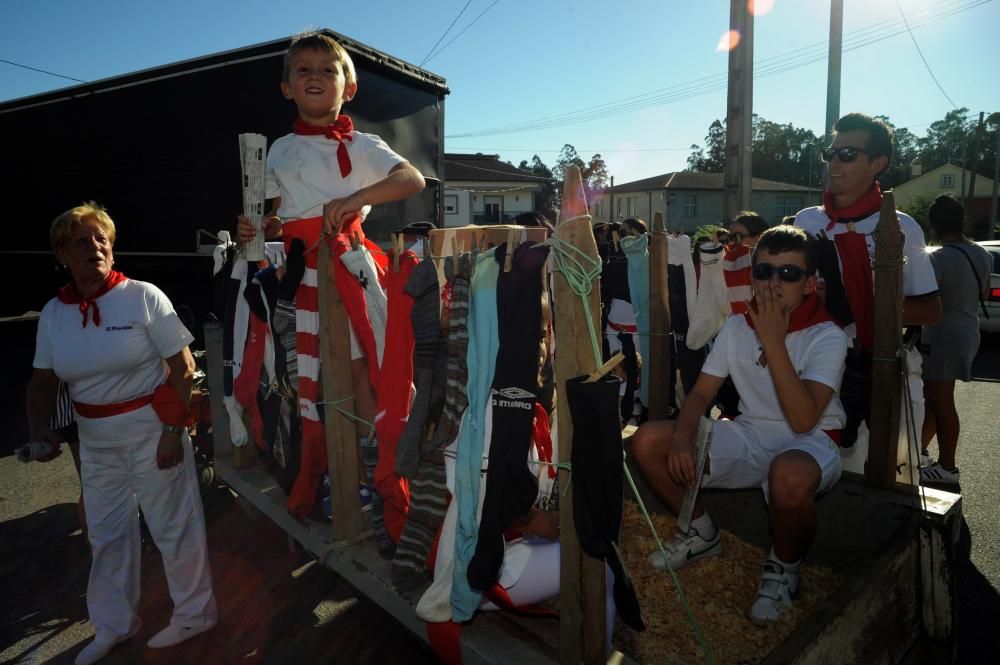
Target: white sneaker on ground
685,548
937,474
101,646
778,587
176,633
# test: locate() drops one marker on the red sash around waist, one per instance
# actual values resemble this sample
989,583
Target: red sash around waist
169,407
106,410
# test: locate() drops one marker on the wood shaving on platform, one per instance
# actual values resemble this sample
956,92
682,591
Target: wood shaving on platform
719,591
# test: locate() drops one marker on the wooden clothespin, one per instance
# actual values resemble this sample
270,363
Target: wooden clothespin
396,243
454,247
615,238
511,243
356,241
601,371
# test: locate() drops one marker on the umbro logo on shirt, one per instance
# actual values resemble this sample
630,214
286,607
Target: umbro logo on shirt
514,398
117,328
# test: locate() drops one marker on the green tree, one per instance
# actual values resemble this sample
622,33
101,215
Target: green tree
545,200
918,208
594,172
714,161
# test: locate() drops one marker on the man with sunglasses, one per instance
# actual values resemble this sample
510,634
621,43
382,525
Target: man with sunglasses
845,224
786,357
861,150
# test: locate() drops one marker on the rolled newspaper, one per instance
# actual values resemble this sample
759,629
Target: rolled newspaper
253,148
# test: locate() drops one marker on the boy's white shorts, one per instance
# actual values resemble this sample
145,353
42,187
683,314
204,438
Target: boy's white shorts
741,454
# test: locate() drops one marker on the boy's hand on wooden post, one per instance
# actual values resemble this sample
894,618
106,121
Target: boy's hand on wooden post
338,211
770,318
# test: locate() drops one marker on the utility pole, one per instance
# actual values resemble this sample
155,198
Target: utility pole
739,113
833,67
990,233
611,202
971,199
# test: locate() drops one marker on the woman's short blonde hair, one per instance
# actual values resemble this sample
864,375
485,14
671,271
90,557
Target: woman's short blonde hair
61,231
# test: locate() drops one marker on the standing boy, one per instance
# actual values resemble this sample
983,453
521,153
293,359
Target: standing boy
786,358
325,177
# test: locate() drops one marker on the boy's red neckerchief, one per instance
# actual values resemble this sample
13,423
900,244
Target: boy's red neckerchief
340,131
810,312
867,205
69,295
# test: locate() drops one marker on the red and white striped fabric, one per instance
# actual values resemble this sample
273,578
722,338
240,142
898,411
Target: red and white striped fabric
736,269
313,462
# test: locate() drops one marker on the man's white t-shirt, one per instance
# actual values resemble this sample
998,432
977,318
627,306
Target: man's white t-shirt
117,361
918,273
304,171
818,354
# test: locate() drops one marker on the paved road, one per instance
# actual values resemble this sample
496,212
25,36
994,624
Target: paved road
277,606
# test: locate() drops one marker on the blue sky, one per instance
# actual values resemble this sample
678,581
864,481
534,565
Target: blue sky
522,60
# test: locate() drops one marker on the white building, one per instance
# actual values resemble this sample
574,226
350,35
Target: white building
480,189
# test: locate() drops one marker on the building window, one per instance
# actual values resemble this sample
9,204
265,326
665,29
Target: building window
787,205
451,204
947,181
689,205
633,206
619,214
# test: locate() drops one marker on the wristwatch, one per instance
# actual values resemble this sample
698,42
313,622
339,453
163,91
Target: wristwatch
173,429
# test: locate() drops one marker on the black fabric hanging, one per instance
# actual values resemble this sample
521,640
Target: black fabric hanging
598,482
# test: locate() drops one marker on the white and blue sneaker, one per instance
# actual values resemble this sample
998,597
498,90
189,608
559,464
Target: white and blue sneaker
685,548
778,586
935,474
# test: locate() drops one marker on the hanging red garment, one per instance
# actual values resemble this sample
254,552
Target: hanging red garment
247,384
313,462
392,403
739,279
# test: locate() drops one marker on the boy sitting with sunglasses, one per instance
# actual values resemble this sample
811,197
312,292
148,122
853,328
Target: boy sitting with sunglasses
786,358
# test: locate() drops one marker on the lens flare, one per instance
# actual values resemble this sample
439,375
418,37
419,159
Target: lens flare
760,7
728,41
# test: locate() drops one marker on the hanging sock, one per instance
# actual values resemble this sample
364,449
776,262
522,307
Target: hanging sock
637,252
236,322
511,488
392,404
428,489
712,307
739,280
597,460
482,356
422,287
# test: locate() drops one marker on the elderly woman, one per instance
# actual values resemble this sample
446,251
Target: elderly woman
119,346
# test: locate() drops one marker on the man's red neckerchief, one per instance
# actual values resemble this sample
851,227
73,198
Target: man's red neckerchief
868,204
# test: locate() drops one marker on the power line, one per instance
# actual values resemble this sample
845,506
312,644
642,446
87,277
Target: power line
438,52
583,150
506,173
43,71
922,58
445,33
772,66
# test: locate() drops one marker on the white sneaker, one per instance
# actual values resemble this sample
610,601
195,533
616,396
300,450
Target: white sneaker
774,595
101,646
175,633
937,474
686,548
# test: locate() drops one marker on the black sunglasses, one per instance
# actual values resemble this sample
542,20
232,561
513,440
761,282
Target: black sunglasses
847,154
786,273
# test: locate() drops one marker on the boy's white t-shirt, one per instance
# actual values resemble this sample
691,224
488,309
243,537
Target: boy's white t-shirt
117,361
304,171
818,354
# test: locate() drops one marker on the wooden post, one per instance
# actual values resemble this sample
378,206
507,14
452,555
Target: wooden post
341,442
883,422
582,593
661,375
739,114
